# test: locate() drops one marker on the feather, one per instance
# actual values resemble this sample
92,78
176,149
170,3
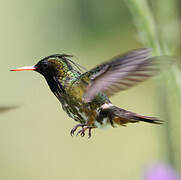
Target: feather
123,72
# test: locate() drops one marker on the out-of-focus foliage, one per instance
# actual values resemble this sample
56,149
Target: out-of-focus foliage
4,109
153,34
35,141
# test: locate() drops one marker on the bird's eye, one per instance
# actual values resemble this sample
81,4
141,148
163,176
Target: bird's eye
45,65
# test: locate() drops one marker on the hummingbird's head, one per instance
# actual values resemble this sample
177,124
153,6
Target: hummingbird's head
57,70
51,66
54,66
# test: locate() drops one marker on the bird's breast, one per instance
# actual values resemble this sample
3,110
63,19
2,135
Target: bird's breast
80,111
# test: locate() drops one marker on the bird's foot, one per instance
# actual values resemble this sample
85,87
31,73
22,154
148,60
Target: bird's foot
75,128
82,131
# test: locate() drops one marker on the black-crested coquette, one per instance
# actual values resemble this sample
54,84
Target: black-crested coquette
85,96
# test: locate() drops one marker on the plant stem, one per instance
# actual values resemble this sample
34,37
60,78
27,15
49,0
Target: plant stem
168,86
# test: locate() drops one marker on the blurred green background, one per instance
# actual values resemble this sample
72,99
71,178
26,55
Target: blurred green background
34,140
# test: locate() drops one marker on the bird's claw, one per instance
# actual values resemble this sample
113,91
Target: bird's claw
75,128
82,131
89,133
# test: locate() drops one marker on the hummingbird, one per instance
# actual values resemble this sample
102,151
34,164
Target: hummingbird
84,96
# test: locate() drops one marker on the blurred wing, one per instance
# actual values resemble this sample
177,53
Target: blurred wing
122,72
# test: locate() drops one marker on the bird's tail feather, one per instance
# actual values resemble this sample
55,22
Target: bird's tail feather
122,117
147,119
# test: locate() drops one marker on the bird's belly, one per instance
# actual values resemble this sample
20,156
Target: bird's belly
86,114
105,123
78,113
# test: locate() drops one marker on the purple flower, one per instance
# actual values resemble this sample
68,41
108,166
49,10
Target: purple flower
161,172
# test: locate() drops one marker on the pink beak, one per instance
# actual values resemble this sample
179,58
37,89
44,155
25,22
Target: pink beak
25,68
